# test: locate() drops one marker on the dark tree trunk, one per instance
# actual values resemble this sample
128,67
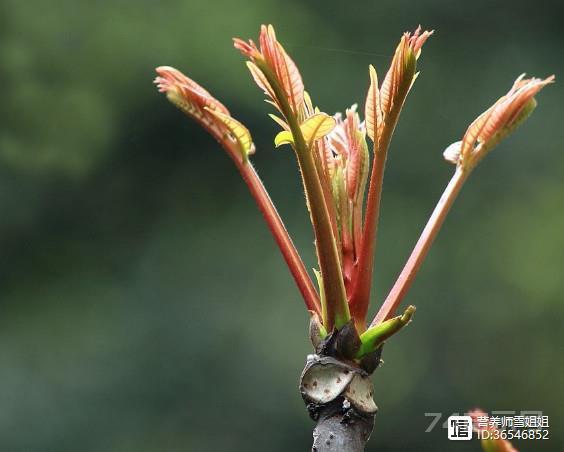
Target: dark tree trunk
338,392
341,431
339,397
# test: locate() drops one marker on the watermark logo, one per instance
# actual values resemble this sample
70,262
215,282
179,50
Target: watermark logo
459,428
505,425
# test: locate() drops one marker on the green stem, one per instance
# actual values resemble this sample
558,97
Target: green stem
337,310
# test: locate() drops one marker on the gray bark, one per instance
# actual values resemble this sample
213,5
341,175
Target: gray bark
339,398
341,430
338,392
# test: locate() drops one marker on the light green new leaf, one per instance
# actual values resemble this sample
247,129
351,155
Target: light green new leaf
238,132
321,296
316,127
284,137
373,337
313,128
279,121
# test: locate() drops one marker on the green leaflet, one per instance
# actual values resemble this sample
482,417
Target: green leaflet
316,127
238,131
339,196
409,75
284,137
313,128
279,121
364,167
374,336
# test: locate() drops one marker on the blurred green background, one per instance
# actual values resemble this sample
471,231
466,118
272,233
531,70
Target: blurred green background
143,304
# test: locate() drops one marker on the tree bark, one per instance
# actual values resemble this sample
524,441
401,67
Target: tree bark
337,390
339,398
340,430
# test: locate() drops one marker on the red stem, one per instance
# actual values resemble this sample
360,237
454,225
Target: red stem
269,212
360,298
407,275
278,230
361,290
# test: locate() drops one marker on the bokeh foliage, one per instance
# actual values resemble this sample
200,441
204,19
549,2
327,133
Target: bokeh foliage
143,305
